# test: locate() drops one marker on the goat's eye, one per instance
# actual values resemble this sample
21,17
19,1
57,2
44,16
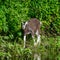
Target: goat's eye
22,23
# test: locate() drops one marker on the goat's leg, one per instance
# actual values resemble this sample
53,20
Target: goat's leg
24,40
33,39
38,39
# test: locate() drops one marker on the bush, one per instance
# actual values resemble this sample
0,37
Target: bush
14,12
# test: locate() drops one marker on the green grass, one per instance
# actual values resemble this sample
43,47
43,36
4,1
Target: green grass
49,49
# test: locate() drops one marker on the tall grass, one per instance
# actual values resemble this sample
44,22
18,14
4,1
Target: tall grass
49,49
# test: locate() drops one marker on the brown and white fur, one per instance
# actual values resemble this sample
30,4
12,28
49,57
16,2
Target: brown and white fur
32,27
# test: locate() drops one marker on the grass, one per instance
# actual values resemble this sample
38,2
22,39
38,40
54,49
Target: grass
49,49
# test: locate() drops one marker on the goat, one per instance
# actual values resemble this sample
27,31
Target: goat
32,27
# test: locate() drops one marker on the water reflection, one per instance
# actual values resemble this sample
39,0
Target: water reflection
37,56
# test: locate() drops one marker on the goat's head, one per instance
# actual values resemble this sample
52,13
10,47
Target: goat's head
24,25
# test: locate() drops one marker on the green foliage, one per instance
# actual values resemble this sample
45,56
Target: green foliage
13,13
9,50
49,49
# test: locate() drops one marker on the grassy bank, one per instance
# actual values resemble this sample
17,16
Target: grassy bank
49,49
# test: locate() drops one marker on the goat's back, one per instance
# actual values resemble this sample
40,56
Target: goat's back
34,24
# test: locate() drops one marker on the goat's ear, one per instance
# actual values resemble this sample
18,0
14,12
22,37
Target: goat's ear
23,23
